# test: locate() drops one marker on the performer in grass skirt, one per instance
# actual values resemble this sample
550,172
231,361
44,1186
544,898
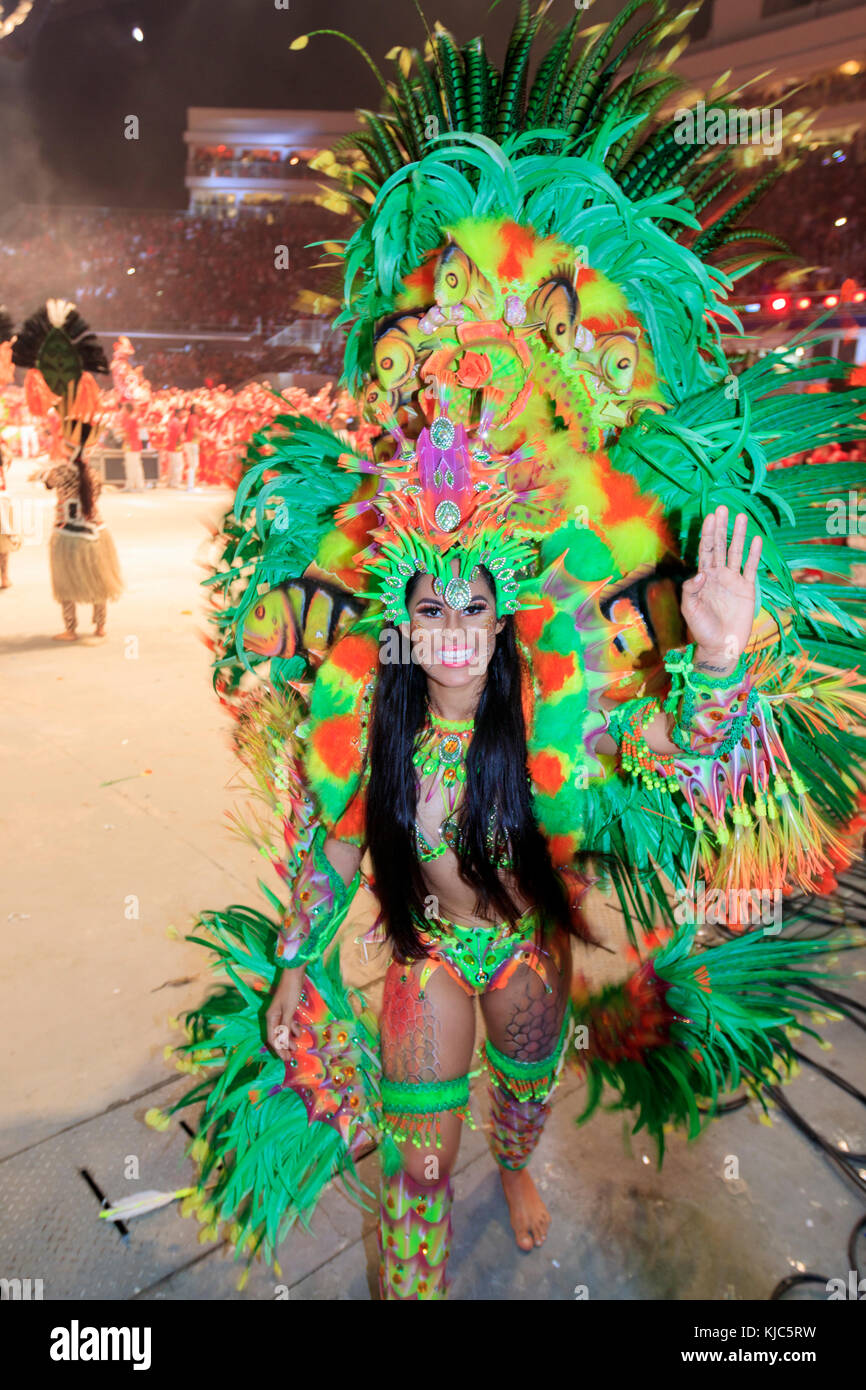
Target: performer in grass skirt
84,564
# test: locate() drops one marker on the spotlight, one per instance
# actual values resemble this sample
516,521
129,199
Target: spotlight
131,270
840,221
804,303
138,34
779,303
831,301
860,296
751,308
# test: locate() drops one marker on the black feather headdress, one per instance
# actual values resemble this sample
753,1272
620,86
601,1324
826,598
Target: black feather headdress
57,341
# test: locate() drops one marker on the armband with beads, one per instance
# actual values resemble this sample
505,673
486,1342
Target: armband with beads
320,900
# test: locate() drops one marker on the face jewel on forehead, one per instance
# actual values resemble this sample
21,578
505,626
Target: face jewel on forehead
457,593
515,310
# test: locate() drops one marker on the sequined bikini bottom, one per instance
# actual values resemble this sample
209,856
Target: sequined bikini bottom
481,958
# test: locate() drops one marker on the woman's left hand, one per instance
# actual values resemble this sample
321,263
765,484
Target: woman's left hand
718,604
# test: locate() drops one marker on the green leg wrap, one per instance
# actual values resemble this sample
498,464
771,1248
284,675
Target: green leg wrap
414,1238
528,1080
411,1110
518,1095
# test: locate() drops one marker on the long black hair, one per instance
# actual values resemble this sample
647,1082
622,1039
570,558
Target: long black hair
85,481
496,808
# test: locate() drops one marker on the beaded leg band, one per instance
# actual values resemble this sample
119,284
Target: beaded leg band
412,1110
414,1238
518,1095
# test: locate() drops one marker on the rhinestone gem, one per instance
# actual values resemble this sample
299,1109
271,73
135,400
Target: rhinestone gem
450,748
442,432
457,593
447,516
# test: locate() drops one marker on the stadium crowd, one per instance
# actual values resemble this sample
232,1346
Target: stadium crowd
818,210
129,270
158,271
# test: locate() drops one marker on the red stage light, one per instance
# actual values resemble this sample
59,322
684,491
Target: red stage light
860,296
804,303
779,303
831,301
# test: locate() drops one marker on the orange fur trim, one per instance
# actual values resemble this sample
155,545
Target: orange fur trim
545,769
332,741
356,655
552,669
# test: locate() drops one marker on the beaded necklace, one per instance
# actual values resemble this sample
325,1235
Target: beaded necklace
441,752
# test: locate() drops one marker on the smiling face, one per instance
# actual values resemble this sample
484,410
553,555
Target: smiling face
453,646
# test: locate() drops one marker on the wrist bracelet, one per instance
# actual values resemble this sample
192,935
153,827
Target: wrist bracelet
637,759
712,712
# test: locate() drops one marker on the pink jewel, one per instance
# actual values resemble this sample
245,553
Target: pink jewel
515,309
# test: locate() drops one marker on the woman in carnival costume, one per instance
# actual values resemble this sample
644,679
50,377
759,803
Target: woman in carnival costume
479,673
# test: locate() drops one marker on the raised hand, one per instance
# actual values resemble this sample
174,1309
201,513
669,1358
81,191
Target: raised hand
718,604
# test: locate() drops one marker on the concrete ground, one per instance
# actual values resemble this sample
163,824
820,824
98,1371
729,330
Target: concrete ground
117,773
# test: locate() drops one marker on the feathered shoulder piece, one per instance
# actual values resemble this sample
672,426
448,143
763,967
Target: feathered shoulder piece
334,737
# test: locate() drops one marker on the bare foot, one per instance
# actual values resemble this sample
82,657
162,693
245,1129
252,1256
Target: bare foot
65,637
7,584
529,1216
99,632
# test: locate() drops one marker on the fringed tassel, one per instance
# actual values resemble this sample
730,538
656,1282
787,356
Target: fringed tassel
523,1090
422,1128
810,840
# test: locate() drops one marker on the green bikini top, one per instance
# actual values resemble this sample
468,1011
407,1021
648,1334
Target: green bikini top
451,840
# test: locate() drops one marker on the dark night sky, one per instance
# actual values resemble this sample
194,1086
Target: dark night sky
63,102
